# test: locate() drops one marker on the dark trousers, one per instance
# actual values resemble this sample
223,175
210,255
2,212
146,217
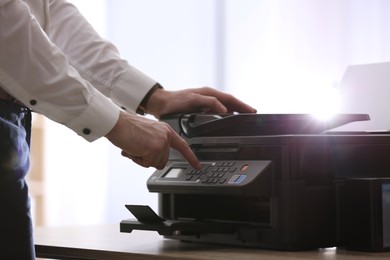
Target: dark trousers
16,238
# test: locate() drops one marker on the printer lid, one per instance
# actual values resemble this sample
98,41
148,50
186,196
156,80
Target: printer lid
196,125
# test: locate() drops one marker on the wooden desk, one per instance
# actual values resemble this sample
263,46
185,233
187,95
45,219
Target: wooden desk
106,242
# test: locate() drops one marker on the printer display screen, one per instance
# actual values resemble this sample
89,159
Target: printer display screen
386,214
175,173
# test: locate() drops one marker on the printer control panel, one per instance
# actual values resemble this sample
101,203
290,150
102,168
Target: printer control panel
182,178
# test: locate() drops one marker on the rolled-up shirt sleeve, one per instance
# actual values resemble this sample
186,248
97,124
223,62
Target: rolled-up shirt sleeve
95,58
35,70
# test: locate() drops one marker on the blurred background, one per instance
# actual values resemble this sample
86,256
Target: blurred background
279,56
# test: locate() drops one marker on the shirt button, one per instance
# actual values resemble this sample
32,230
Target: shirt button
33,102
87,131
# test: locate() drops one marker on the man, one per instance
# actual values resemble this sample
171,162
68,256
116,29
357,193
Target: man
54,63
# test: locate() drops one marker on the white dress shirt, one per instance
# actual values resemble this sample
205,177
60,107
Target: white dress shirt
54,62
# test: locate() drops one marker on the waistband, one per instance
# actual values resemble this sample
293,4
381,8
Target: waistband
9,106
7,97
13,114
4,94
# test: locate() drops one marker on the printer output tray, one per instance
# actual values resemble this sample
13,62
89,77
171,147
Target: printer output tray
147,219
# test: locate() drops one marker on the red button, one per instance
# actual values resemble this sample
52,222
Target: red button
244,168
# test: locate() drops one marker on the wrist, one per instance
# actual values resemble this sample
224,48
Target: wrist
143,106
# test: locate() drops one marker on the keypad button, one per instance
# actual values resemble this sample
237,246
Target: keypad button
222,181
233,169
215,173
220,175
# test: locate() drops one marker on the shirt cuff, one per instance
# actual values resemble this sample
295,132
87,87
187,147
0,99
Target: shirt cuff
129,90
97,120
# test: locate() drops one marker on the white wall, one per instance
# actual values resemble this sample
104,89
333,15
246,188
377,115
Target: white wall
174,42
287,56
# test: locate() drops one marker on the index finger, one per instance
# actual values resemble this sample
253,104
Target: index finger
182,146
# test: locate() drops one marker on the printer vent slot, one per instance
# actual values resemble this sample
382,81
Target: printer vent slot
253,210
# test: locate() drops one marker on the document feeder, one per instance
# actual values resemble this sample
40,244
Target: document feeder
273,181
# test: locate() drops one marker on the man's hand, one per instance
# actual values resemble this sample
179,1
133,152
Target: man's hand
205,99
147,142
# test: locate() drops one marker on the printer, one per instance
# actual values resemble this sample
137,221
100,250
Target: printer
273,181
